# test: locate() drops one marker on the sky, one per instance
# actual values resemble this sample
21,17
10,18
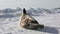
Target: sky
48,4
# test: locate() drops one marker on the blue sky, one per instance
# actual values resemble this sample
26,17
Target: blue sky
48,4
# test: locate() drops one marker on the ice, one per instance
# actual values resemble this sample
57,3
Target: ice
10,24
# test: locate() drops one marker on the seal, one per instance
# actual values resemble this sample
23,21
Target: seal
29,22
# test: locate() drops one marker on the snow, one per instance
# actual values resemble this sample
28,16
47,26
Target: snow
9,24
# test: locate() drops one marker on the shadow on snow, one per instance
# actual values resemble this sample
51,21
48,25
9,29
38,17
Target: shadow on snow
47,29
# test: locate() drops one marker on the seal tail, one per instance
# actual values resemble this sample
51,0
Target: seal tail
24,11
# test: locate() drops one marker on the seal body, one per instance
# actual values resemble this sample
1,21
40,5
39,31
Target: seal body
29,22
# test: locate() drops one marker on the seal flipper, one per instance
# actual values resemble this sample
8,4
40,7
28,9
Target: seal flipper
24,11
35,26
40,26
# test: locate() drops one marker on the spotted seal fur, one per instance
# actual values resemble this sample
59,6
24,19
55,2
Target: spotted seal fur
29,22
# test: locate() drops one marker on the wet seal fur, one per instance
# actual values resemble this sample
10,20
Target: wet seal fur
29,22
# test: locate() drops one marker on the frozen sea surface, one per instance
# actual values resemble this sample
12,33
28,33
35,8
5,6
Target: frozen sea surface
9,24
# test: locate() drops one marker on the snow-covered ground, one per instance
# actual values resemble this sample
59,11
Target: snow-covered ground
9,24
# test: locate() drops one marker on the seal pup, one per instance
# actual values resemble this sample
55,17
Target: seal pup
29,22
